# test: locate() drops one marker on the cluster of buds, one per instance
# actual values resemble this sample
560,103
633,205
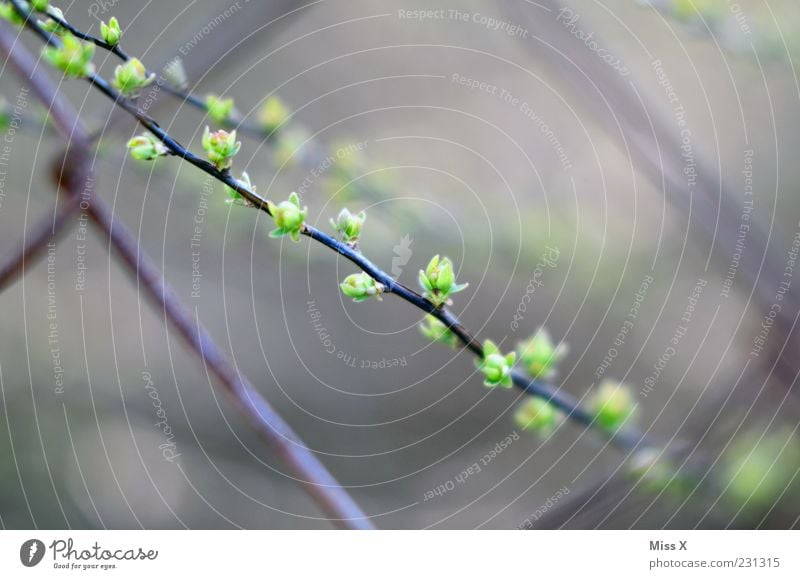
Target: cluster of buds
537,415
612,404
73,57
495,366
438,281
131,76
273,114
218,108
288,216
360,287
146,147
349,226
221,146
539,355
436,331
111,32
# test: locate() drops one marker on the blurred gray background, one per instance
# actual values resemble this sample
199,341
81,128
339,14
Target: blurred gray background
492,177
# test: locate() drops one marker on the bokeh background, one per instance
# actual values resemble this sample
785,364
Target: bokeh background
649,146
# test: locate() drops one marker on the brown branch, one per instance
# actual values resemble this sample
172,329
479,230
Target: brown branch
42,233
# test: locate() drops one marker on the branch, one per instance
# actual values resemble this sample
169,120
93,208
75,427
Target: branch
310,160
304,466
234,120
33,244
624,437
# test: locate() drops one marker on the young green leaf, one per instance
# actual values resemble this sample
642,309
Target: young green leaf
218,108
349,226
495,366
73,58
146,147
111,32
361,287
221,146
433,329
536,415
131,76
539,354
273,114
289,217
438,281
612,404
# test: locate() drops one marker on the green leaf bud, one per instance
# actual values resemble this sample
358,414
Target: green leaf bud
273,114
360,287
689,10
438,281
52,25
612,404
131,76
288,216
652,470
436,331
175,73
73,58
349,225
236,198
221,146
495,366
759,466
537,415
146,147
218,108
539,355
111,32
9,12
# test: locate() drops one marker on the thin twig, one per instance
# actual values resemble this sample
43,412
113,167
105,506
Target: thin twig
310,160
233,121
302,463
626,437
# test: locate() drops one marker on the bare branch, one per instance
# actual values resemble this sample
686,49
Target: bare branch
42,233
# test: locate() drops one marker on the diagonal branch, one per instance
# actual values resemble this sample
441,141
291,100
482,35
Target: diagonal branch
42,233
626,437
303,464
233,121
310,472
